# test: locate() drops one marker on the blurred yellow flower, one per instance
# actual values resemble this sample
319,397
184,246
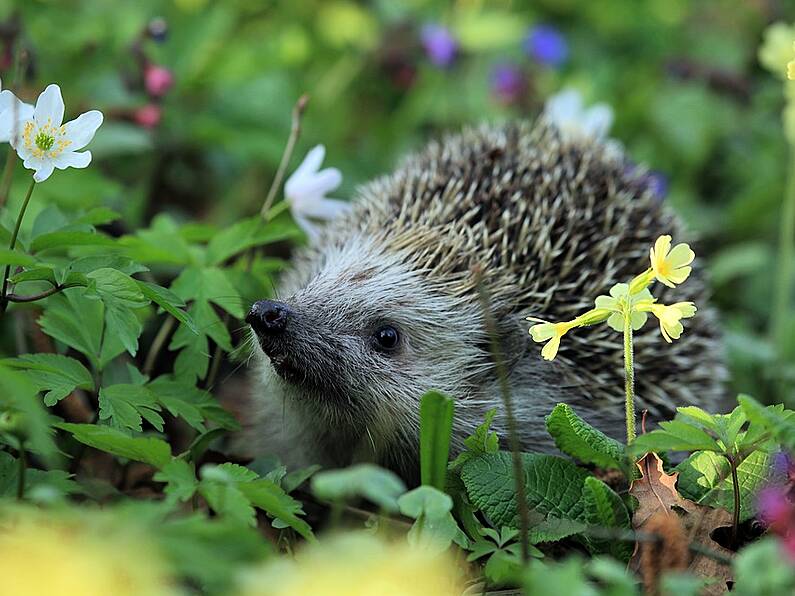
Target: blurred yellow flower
670,317
45,555
670,266
776,49
550,333
356,564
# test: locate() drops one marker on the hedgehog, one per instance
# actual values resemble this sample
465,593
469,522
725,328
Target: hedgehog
387,304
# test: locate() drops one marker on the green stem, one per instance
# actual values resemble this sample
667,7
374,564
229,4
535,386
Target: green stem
786,266
629,377
23,466
13,243
736,489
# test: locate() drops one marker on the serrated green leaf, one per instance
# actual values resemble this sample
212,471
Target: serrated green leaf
579,439
180,479
368,481
553,485
115,286
147,450
675,435
246,234
705,477
482,441
605,509
228,501
434,528
779,421
125,405
272,499
168,301
58,374
436,428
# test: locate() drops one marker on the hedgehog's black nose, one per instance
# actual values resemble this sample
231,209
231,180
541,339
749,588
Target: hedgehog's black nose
268,317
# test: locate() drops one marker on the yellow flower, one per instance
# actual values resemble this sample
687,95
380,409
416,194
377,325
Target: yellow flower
670,266
670,317
550,333
76,555
356,564
776,49
621,298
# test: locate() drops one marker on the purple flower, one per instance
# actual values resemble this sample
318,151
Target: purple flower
546,45
439,44
508,83
775,509
782,464
657,183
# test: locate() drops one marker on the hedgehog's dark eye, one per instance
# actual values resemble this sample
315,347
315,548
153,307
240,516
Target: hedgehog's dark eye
386,338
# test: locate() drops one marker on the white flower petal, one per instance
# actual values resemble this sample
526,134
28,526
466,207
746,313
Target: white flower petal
13,116
564,107
326,209
316,185
49,107
81,130
597,120
43,172
307,226
72,159
313,160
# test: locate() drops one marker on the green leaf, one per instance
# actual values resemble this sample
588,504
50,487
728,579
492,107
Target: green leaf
58,374
705,477
150,451
168,301
368,481
272,499
553,485
482,441
579,439
245,234
31,421
69,239
125,405
780,421
605,509
114,286
228,501
14,257
180,478
434,528
190,403
675,435
436,428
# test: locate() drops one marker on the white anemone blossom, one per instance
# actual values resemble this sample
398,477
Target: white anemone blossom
566,110
12,111
44,142
306,189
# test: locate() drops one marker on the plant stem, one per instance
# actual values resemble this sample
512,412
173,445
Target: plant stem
39,296
23,466
13,243
157,344
513,436
786,262
295,132
736,489
629,377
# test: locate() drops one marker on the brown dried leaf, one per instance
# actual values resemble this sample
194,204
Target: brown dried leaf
657,495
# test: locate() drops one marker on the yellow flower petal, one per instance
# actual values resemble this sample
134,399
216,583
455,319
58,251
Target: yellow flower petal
670,266
542,332
680,255
678,276
550,350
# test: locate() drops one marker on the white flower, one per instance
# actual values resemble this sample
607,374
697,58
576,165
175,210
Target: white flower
12,111
46,143
306,190
567,112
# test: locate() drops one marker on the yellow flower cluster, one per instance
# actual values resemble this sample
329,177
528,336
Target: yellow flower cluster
356,564
632,302
76,555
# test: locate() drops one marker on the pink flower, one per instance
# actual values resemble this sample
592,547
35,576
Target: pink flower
157,80
775,508
148,116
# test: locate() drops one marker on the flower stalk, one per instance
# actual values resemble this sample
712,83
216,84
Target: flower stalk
13,243
786,263
629,377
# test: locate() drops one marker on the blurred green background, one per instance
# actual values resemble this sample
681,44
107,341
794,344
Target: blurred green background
197,97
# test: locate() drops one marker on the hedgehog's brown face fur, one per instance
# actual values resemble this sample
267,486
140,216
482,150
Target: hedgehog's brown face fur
358,342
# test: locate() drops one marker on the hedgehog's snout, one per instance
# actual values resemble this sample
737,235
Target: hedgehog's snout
268,319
